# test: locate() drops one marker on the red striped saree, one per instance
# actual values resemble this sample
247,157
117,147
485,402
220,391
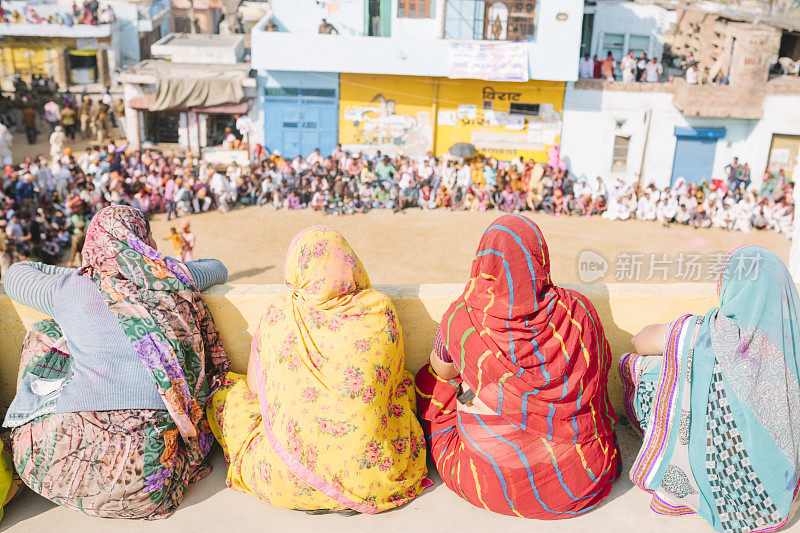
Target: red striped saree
536,355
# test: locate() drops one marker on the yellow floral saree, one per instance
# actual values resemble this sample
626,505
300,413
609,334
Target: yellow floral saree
332,425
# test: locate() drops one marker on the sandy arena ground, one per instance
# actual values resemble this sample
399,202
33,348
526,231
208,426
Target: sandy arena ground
437,246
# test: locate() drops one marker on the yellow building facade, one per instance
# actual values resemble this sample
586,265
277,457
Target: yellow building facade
65,59
415,115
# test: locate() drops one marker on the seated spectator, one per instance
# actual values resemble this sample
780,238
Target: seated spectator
143,317
722,447
340,418
502,432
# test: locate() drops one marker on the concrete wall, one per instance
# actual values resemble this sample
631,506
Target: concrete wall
304,16
126,33
417,50
590,124
623,310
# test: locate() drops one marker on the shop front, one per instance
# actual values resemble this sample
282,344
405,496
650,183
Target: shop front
783,155
74,61
415,115
503,120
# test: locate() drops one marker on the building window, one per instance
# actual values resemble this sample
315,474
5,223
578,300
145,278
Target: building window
639,44
162,127
215,128
619,44
509,20
415,9
488,105
620,159
525,110
614,43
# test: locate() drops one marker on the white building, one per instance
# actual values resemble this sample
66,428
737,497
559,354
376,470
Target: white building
656,132
74,53
621,26
186,100
639,135
416,76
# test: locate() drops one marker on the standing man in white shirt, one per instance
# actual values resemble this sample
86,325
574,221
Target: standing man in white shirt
691,75
653,71
221,188
628,67
585,67
463,181
5,145
52,114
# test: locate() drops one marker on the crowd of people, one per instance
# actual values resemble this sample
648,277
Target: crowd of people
89,12
44,200
631,69
30,108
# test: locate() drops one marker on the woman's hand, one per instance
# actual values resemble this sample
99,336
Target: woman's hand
442,369
474,406
650,340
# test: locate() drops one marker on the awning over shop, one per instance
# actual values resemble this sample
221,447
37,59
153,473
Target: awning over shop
139,102
231,109
197,92
182,86
142,103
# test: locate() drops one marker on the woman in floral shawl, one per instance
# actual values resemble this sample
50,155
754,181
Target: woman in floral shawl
717,399
324,420
109,416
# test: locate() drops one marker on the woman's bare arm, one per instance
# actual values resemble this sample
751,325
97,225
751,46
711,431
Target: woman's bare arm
650,341
442,369
252,378
252,366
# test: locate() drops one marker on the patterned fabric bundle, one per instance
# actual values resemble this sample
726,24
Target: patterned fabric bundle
537,357
129,463
720,410
333,425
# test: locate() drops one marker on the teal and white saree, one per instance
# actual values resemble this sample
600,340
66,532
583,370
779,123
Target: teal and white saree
720,410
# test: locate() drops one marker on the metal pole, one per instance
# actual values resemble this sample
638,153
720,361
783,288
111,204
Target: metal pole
192,20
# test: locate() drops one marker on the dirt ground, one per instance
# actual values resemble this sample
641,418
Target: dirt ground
437,246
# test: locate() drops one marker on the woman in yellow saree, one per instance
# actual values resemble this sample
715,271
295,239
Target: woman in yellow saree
325,419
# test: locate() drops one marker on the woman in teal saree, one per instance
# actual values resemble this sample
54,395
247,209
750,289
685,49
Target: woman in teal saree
717,400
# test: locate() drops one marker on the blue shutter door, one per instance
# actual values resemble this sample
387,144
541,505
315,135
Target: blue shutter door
296,125
328,126
694,159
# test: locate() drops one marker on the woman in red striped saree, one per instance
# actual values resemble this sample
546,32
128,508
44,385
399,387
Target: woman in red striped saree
514,402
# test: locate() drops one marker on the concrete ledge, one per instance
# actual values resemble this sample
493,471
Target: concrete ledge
209,506
623,310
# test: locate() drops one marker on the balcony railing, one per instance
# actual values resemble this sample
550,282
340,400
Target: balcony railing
720,101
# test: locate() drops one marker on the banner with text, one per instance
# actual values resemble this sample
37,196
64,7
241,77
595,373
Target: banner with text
488,61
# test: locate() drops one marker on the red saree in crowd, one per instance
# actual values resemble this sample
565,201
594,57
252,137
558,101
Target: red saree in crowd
536,356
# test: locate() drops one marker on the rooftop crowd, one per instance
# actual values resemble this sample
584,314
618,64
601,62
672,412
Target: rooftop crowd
632,68
89,12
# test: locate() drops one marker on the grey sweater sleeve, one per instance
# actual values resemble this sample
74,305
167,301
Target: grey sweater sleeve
207,272
34,284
